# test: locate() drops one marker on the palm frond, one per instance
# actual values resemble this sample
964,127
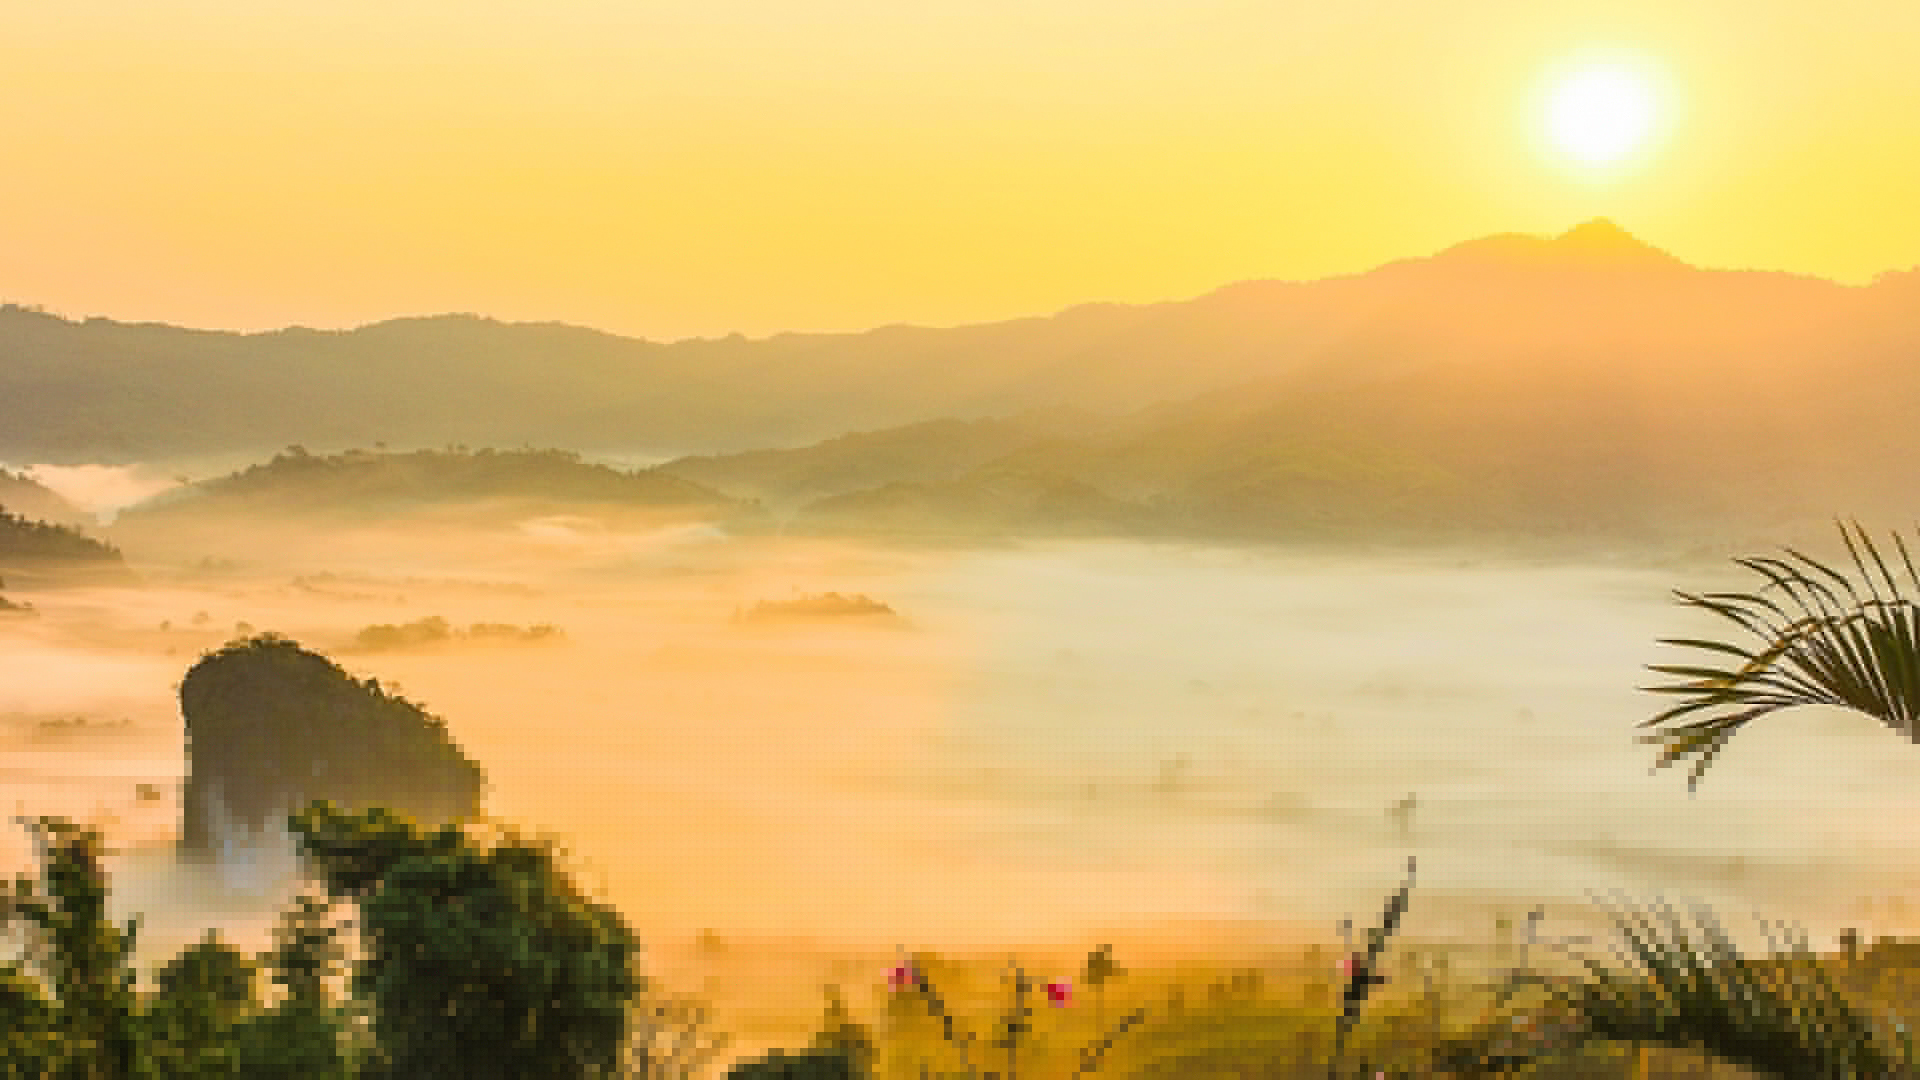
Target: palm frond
1819,637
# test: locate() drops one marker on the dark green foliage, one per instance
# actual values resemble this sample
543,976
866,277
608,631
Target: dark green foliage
303,1036
203,995
30,1042
293,1041
272,726
305,952
828,1064
87,1028
24,540
79,1017
353,852
479,963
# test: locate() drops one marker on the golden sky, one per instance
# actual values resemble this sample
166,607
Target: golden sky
672,168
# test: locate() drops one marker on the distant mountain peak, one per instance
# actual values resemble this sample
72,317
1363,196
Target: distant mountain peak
1598,230
1600,242
1604,237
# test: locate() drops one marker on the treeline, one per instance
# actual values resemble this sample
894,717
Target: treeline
436,996
479,959
26,540
363,478
434,630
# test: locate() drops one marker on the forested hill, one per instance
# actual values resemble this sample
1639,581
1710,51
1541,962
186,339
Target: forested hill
33,549
28,497
369,484
1565,453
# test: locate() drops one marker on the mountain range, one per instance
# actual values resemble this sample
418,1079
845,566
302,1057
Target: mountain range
103,391
1569,384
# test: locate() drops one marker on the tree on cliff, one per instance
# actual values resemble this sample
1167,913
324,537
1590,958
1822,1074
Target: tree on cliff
272,727
25,540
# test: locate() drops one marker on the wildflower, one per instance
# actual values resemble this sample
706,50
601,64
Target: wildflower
1060,993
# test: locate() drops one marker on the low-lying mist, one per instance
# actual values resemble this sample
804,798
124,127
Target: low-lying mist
1050,745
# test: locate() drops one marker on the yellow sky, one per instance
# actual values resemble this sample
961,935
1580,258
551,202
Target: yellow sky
670,168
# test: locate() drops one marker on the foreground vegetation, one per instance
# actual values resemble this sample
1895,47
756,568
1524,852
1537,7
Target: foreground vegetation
477,958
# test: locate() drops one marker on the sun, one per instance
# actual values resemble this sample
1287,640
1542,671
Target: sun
1600,113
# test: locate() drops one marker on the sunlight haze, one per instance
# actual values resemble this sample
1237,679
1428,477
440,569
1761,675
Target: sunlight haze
676,169
1029,480
1601,113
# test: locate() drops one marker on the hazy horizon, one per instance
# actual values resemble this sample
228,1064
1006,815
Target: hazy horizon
1851,282
688,170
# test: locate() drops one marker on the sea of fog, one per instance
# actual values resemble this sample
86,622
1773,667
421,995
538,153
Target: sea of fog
1054,741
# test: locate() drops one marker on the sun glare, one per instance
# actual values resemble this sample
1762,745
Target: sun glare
1600,113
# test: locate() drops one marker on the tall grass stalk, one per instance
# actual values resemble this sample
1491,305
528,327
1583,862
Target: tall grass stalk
1364,976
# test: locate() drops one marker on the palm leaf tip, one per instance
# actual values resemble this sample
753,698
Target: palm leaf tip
1819,637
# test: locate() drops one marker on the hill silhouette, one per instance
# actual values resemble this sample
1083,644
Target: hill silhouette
363,484
104,391
39,552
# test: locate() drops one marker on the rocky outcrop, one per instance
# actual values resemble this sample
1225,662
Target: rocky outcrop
272,727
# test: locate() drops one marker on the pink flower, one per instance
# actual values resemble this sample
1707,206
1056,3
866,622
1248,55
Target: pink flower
1060,993
901,978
